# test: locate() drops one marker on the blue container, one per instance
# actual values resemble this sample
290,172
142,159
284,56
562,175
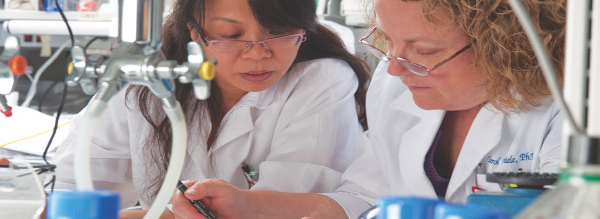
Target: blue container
406,207
513,200
83,205
447,211
65,5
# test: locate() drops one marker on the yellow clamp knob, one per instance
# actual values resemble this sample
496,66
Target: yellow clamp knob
207,70
70,68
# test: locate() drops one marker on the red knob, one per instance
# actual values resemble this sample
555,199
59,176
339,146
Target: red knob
7,113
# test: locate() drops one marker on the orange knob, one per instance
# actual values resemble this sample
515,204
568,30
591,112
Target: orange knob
18,65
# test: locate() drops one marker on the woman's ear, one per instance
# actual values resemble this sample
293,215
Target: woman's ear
193,32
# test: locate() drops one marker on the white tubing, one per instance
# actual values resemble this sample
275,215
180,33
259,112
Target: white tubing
38,74
178,150
57,27
83,141
544,62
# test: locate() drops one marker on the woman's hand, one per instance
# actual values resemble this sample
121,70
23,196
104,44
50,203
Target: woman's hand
227,202
223,200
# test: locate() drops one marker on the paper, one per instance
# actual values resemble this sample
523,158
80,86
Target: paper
23,129
46,50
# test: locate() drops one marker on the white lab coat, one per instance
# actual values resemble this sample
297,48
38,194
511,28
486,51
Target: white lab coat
300,134
400,135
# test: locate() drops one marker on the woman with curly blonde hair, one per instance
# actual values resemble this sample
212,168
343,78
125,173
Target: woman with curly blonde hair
458,93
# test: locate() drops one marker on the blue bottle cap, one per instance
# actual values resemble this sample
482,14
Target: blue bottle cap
95,204
446,211
398,207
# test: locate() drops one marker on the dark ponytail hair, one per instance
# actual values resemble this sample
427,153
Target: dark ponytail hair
275,17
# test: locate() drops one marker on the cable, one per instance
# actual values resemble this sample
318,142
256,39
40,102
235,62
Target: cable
62,14
38,134
64,95
65,88
38,75
41,102
91,41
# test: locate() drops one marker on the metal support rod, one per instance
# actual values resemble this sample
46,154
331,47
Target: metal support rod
576,66
594,80
4,104
155,24
133,21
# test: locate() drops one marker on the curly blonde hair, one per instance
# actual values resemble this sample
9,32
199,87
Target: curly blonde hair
514,79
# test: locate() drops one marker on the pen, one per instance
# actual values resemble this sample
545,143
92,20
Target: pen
197,204
250,174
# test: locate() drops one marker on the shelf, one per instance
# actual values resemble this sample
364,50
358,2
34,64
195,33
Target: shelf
43,15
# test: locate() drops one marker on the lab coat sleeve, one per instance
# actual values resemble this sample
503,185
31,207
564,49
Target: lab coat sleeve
110,155
362,182
550,153
319,133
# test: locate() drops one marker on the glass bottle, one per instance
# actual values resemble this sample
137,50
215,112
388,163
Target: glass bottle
577,195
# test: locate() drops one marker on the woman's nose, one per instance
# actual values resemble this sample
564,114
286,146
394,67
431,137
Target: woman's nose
257,51
394,68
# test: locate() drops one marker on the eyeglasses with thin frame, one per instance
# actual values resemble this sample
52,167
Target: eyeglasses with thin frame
239,46
410,66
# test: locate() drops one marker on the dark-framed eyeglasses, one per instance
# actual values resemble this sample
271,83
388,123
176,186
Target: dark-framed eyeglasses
239,46
410,66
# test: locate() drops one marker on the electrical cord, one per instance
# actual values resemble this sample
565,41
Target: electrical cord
33,136
64,94
91,41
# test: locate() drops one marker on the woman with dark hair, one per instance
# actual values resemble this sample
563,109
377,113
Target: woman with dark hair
287,103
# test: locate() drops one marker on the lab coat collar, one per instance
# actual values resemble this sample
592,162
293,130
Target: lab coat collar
478,143
260,100
238,121
415,142
406,103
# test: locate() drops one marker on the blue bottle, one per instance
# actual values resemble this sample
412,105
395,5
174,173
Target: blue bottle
95,204
394,207
453,211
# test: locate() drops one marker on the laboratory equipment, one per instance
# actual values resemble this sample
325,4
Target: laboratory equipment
65,5
406,207
522,189
21,192
138,60
370,213
83,205
11,66
401,207
355,12
88,5
454,211
330,10
4,107
49,27
578,192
